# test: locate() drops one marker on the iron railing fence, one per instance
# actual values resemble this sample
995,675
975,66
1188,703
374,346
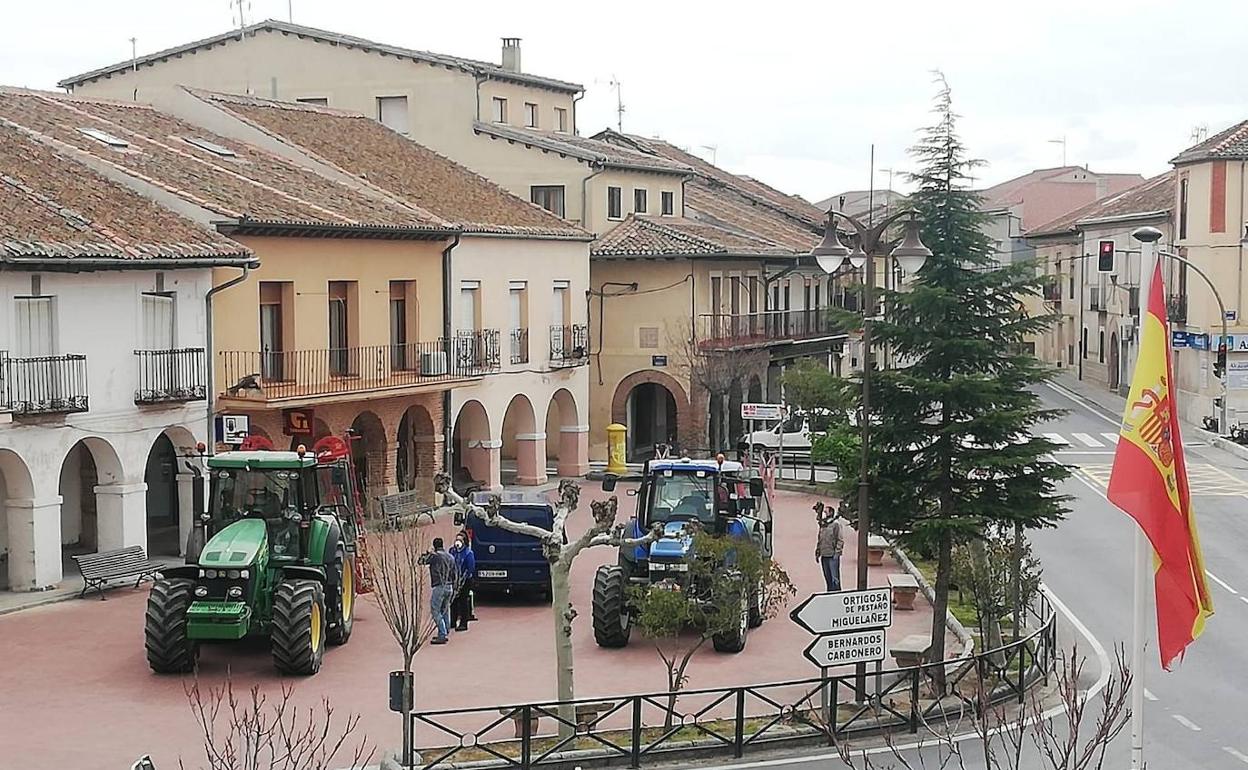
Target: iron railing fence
756,329
633,729
169,376
569,344
43,384
276,374
519,346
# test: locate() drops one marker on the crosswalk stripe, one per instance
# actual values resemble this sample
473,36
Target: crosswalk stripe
1111,437
1057,438
1087,440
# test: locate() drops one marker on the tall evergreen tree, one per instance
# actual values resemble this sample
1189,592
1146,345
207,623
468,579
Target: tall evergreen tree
951,424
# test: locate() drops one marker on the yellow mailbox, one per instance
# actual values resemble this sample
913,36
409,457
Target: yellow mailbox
616,452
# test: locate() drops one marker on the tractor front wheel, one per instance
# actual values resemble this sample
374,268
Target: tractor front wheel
298,634
342,593
613,622
756,605
169,651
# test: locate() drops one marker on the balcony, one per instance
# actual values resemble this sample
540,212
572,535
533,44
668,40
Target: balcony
296,375
1095,301
519,346
727,332
170,376
1176,308
43,385
569,345
1053,293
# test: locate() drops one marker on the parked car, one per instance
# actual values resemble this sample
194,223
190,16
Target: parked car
508,562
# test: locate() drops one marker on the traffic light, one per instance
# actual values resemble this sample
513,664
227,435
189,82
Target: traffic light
1105,257
1219,364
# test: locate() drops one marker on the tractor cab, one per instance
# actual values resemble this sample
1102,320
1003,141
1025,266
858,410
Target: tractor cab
280,489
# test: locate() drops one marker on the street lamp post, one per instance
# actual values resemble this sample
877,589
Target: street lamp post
830,255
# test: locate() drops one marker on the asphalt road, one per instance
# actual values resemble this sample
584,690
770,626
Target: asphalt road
1194,716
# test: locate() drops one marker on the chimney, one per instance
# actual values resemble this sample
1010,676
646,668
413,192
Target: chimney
511,54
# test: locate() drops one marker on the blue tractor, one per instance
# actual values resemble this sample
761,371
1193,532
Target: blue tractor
715,496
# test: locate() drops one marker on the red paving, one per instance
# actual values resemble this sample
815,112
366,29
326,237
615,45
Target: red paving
75,690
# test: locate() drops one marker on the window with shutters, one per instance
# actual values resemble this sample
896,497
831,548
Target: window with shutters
34,333
667,203
615,204
530,114
500,109
392,112
339,327
158,321
561,120
549,197
272,329
639,200
403,337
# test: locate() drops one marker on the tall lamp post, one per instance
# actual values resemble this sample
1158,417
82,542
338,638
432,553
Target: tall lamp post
830,255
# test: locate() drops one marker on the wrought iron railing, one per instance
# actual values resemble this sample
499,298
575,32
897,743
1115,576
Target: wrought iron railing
754,329
1052,292
168,376
278,374
1176,308
569,344
657,727
1095,301
43,384
519,346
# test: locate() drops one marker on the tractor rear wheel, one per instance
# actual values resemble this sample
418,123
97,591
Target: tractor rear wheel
342,595
298,633
733,639
756,605
164,630
613,622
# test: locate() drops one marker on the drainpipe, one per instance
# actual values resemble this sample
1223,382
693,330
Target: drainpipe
448,423
480,79
579,96
1083,283
211,441
1239,283
585,197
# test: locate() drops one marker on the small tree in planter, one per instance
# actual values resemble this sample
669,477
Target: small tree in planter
681,614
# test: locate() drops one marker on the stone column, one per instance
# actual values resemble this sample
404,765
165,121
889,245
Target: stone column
186,509
530,459
121,515
390,471
428,463
34,543
484,462
573,450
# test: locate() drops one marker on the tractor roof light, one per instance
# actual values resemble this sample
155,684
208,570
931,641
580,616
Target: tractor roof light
301,450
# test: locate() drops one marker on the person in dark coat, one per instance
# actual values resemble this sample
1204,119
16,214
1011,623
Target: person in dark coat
465,572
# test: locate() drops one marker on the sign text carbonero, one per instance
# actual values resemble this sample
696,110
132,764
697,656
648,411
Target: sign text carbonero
846,648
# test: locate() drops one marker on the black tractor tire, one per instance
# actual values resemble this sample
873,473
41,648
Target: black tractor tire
341,590
297,637
613,621
756,606
733,640
164,628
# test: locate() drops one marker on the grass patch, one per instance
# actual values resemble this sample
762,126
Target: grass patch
961,605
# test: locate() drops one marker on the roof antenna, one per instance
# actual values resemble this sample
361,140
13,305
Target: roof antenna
1200,133
619,104
290,11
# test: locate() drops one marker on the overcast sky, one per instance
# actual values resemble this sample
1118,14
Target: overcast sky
792,93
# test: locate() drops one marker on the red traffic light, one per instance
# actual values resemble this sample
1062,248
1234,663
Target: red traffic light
1105,257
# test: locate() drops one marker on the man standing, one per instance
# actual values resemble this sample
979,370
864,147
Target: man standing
465,571
830,544
442,583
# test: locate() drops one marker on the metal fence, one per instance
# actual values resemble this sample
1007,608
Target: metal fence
745,329
569,344
167,376
734,721
295,373
519,346
43,384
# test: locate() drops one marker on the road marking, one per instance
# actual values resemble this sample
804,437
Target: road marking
1221,582
1241,756
1087,440
1111,437
1149,694
1244,599
1057,438
1189,724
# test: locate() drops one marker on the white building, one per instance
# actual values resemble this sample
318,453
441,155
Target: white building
102,377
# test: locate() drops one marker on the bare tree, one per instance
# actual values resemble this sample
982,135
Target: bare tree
559,551
252,733
714,370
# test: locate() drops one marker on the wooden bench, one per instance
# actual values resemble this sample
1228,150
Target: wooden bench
876,547
587,713
904,588
98,569
912,650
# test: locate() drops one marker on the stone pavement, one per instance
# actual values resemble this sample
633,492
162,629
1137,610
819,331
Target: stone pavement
75,689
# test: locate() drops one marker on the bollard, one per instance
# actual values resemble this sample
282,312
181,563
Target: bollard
616,442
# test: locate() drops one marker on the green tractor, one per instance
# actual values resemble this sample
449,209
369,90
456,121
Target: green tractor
278,559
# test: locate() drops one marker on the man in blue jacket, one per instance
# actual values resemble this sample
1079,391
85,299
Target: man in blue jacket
465,573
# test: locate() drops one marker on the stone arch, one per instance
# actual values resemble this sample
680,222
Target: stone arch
754,394
522,443
416,451
368,453
169,498
474,450
16,485
662,418
567,439
736,426
90,521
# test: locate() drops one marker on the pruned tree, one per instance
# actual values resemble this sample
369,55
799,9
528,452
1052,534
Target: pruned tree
1002,576
559,551
681,614
252,732
715,371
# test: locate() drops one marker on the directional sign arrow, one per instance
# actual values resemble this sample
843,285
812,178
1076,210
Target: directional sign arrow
851,647
838,611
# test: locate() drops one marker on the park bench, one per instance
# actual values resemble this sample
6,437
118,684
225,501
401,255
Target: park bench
876,546
586,715
904,588
98,569
912,650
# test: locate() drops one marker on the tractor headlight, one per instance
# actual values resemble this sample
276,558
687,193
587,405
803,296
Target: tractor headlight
201,591
235,592
211,574
201,573
244,574
232,574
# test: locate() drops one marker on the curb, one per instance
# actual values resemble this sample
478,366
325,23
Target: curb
39,603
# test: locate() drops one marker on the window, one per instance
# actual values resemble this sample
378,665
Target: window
392,112
340,327
530,114
549,197
517,307
614,203
559,303
35,330
158,331
403,325
468,291
104,137
639,200
500,109
561,120
667,203
272,327
648,337
212,147
1100,350
316,101
1183,208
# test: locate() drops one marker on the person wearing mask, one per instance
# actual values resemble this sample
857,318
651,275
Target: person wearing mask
830,544
465,572
442,588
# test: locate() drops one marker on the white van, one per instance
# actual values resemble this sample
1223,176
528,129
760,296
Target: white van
798,431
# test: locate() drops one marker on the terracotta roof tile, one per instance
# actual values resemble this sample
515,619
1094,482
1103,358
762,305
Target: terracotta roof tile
362,147
54,207
646,236
1229,144
1154,195
582,148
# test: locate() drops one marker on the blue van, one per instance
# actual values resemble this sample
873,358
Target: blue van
506,561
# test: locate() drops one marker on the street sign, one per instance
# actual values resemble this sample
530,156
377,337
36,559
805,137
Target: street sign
1180,339
658,360
830,613
1232,315
232,428
843,649
762,411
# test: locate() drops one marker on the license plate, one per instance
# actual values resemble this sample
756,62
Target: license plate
492,573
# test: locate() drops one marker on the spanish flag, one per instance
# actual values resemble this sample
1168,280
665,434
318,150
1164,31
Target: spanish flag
1149,482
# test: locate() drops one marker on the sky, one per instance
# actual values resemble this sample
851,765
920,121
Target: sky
792,93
